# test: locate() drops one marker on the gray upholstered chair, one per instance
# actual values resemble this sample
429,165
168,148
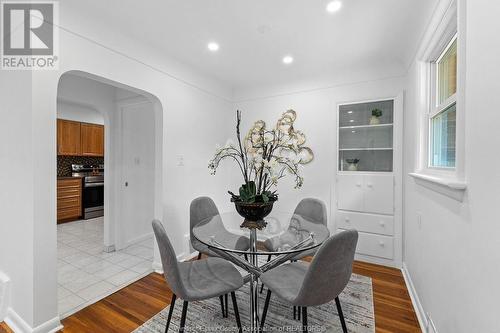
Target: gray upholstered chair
196,280
313,210
202,209
304,285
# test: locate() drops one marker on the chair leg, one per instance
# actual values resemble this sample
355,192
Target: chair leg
170,311
221,298
341,315
183,318
264,312
226,306
262,286
298,312
236,312
304,319
294,312
246,256
199,255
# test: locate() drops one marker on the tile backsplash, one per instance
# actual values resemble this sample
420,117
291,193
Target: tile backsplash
64,163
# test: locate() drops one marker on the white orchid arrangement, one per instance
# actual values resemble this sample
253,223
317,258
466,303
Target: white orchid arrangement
265,156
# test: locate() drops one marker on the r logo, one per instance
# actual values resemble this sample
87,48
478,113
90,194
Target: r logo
28,29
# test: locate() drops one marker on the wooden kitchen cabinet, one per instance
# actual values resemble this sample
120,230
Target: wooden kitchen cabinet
68,138
79,139
92,139
69,199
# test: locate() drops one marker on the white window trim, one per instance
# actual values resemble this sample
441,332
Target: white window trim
443,28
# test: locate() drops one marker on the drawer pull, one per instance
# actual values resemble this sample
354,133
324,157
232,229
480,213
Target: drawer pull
382,224
347,220
382,244
358,184
370,185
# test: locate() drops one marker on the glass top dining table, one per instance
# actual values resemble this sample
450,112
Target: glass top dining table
285,236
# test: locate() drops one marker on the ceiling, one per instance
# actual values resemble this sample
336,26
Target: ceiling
255,35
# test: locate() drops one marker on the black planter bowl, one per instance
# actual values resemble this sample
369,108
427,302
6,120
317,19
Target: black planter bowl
254,213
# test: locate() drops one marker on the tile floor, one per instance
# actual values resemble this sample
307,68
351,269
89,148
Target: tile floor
86,273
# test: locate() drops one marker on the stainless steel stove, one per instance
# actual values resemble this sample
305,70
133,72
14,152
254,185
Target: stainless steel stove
93,188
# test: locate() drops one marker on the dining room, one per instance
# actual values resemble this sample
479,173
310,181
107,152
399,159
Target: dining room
307,166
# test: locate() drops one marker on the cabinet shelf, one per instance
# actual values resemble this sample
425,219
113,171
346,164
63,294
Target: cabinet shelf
366,126
357,149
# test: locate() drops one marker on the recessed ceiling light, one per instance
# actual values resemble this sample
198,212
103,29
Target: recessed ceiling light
288,60
334,6
351,121
353,131
349,112
212,46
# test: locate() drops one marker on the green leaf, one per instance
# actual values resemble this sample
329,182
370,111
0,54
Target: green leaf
265,198
252,189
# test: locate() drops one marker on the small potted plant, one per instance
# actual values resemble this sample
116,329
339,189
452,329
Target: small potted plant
376,114
352,164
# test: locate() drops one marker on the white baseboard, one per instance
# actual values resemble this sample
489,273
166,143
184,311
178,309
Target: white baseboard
109,248
4,295
138,239
157,267
50,326
419,309
18,325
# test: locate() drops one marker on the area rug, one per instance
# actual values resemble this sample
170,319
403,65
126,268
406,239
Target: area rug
206,316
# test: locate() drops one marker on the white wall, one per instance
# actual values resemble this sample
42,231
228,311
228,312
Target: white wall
189,107
137,161
82,113
316,117
17,175
453,258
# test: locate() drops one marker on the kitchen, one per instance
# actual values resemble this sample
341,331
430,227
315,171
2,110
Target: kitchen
80,170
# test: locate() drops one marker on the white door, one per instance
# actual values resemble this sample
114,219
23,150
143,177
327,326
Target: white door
350,192
379,194
137,169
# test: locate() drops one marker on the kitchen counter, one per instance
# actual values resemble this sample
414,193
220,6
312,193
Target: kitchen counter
68,177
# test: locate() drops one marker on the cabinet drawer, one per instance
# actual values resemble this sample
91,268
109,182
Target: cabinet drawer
375,245
380,224
69,183
73,202
68,213
68,192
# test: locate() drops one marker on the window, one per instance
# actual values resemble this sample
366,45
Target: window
442,145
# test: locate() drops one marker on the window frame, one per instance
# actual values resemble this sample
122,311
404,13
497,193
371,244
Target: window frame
447,21
443,28
434,107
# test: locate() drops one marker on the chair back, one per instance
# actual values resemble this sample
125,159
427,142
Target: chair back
312,209
330,270
169,260
201,208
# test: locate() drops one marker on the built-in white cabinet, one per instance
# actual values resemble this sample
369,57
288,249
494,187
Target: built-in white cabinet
366,193
368,187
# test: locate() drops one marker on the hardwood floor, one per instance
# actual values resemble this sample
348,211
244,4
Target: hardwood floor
393,308
131,306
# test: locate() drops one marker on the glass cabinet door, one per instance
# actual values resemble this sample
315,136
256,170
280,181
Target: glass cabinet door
366,136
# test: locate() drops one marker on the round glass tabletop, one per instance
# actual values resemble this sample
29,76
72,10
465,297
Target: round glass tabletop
284,233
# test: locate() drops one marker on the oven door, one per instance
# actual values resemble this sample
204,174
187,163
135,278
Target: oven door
93,197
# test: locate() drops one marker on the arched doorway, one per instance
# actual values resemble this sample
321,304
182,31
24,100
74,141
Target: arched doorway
99,255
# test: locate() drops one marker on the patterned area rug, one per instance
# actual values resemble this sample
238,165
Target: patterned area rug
206,316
